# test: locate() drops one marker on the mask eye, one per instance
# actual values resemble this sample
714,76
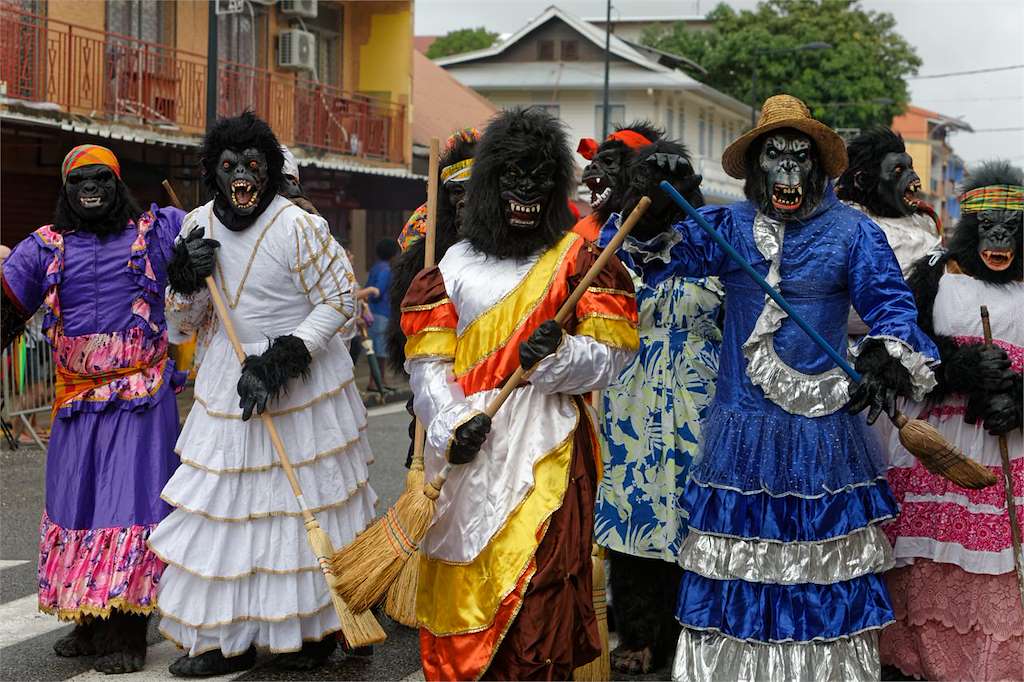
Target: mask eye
898,170
105,176
254,164
225,165
801,156
772,153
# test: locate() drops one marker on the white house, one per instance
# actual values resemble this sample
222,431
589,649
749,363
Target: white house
557,61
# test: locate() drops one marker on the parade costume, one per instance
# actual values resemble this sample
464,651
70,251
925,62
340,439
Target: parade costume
115,417
240,572
954,589
784,549
650,416
509,548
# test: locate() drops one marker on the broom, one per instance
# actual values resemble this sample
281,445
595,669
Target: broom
367,567
400,604
359,629
1011,504
919,437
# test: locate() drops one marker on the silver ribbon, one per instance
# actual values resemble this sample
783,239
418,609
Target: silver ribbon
921,375
862,552
712,657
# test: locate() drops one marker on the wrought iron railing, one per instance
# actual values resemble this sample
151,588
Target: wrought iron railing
118,78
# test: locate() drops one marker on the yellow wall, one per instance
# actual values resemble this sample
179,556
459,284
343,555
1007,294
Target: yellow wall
88,13
921,153
378,47
192,25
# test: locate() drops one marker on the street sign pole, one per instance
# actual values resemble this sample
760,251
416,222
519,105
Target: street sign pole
211,65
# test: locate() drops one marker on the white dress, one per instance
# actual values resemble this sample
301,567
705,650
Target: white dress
240,571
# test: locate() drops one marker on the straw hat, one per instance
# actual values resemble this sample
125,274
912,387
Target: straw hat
786,111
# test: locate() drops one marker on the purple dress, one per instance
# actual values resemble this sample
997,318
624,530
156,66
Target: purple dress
112,440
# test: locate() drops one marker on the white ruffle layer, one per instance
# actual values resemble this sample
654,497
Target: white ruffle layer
233,550
862,552
711,657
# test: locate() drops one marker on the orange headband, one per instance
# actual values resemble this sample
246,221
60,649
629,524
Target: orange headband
632,139
87,155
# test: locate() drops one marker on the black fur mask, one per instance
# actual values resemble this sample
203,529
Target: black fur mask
93,199
607,174
241,141
785,178
524,154
984,241
881,175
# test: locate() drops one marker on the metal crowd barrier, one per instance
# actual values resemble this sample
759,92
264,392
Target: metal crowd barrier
27,387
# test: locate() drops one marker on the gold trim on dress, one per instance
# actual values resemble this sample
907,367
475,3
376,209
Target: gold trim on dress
225,578
425,306
275,464
246,619
88,611
233,303
614,292
274,413
262,515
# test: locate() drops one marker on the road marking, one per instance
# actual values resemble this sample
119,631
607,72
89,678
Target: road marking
158,657
385,409
21,619
415,677
11,563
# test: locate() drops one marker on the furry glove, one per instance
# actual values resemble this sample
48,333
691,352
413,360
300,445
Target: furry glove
544,341
265,376
883,378
977,368
193,261
469,438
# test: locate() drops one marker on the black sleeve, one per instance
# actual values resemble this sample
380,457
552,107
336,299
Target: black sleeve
12,319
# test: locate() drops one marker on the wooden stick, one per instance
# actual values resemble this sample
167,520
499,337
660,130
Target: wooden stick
1011,503
563,314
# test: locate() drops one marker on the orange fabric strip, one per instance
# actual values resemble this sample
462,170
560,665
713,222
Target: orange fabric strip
69,385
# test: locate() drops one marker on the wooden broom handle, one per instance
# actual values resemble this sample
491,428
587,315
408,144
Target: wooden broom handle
429,254
1011,503
569,306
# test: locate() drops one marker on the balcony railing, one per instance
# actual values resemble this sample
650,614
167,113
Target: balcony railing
118,78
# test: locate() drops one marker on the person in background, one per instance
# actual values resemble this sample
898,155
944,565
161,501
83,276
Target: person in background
379,278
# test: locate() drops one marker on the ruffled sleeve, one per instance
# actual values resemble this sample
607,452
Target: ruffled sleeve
685,250
884,301
166,227
321,270
24,275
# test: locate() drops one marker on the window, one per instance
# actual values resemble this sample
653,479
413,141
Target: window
552,109
701,124
616,116
236,38
711,134
545,50
670,123
681,132
570,51
145,21
725,135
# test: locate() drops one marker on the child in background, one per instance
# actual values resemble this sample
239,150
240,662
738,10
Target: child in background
379,278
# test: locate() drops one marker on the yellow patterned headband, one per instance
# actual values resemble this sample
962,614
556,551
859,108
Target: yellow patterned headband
993,198
457,172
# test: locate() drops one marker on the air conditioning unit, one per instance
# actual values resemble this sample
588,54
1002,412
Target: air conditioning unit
296,49
299,8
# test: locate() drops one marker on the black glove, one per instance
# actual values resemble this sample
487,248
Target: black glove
542,342
193,261
1002,414
883,379
469,438
978,368
265,376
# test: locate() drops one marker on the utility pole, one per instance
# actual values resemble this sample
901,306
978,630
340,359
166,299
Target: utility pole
211,65
607,66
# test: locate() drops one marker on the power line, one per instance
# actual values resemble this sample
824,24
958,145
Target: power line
967,73
998,130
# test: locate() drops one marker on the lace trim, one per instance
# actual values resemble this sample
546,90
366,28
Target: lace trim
809,395
656,248
917,364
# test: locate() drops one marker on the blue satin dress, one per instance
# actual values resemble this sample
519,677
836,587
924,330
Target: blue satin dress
783,556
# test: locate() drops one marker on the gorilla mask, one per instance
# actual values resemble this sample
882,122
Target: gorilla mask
242,177
91,192
455,195
998,238
526,185
664,160
785,178
898,184
605,173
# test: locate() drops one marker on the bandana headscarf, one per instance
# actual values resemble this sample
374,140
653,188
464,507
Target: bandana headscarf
993,198
87,155
632,139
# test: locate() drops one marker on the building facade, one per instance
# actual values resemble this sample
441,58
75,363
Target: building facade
556,61
926,134
332,77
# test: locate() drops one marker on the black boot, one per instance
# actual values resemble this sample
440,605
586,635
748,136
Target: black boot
212,663
312,655
78,642
121,643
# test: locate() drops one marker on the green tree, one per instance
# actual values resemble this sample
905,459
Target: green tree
868,62
462,40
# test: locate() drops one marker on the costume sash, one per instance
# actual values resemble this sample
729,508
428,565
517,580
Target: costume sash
71,385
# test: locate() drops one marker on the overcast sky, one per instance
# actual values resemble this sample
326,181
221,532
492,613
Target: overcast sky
949,35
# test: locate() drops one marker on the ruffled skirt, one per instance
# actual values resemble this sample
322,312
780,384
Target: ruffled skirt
240,571
784,552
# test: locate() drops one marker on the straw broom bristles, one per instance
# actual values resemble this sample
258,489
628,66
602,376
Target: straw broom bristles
939,456
400,604
599,669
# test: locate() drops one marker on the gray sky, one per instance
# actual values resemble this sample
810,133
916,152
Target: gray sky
949,35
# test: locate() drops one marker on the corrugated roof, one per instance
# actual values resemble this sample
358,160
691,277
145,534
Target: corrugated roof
441,104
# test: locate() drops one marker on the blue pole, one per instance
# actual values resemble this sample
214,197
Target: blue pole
768,288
